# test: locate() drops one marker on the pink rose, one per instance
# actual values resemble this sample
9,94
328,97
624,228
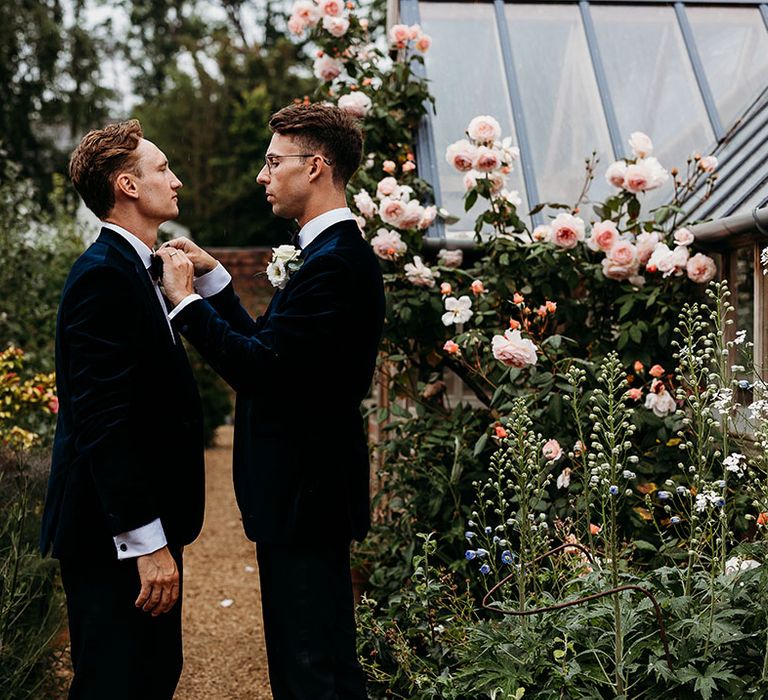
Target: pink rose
408,166
552,450
514,350
470,179
418,274
656,371
567,231
388,245
331,8
461,155
358,104
708,164
641,144
683,237
484,129
296,25
617,271
623,253
327,68
391,211
389,166
616,173
487,159
477,287
430,213
306,11
335,26
451,347
423,43
399,34
604,235
645,244
365,205
646,174
542,233
635,394
414,31
388,185
412,215
450,258
701,268
446,289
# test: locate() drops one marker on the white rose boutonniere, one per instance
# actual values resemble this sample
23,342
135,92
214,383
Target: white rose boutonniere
285,261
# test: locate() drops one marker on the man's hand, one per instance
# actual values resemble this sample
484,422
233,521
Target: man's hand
200,259
178,274
159,582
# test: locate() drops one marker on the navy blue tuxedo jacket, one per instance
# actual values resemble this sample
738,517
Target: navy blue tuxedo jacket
301,466
129,441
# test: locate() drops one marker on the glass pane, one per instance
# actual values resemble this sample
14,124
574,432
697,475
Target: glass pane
561,103
466,71
733,45
652,83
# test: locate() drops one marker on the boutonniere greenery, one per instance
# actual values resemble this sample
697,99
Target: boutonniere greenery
285,261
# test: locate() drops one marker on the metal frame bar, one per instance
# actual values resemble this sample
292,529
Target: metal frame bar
526,157
698,70
743,3
426,152
602,80
764,13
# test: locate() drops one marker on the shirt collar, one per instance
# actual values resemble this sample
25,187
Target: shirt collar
314,227
141,248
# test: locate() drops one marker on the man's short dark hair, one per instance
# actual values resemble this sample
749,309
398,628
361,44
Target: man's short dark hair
99,158
326,129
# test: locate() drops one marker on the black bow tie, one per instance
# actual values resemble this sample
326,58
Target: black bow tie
155,267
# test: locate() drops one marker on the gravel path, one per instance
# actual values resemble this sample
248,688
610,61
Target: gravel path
223,646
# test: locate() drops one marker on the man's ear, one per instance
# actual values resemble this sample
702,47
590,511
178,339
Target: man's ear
316,168
126,184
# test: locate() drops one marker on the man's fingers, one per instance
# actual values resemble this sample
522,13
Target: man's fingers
144,594
164,603
154,599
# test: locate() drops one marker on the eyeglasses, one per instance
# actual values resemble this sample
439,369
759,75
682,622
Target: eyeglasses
274,160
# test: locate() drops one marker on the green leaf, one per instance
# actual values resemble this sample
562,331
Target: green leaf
470,200
480,444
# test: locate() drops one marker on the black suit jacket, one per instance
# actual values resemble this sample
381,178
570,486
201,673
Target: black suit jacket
129,442
301,466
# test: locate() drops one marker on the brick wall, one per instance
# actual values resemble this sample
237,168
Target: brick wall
247,266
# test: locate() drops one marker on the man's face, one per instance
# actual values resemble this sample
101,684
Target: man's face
286,179
157,185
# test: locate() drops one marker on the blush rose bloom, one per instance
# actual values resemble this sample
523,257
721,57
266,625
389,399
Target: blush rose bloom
645,243
387,186
623,253
646,174
701,268
668,261
389,166
641,144
391,211
604,236
621,261
683,237
296,25
616,173
399,34
552,450
446,289
358,104
388,245
450,258
327,68
542,233
306,11
487,159
365,205
408,166
412,215
635,394
423,43
567,231
335,26
451,347
477,287
418,274
514,350
484,129
331,8
429,215
461,155
708,164
457,310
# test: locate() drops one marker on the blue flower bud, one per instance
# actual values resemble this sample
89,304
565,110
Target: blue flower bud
663,495
488,530
720,502
470,554
613,490
674,520
482,552
506,557
744,384
485,569
469,535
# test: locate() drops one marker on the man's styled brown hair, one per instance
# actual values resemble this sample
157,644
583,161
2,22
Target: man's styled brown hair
97,160
324,128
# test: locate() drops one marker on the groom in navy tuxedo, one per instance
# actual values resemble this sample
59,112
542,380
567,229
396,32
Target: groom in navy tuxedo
126,487
301,370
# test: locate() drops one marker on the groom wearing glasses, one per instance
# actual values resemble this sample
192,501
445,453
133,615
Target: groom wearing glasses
301,370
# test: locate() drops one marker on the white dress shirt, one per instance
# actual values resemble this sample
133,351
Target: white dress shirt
150,537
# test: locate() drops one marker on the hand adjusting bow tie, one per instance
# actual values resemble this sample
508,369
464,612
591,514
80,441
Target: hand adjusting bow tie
155,267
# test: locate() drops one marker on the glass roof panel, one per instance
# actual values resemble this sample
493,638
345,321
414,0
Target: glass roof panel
651,81
733,45
560,99
466,73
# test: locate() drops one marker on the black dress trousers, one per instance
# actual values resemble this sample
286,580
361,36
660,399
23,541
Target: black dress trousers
119,652
309,622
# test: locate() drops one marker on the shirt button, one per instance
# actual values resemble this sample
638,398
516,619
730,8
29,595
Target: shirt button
123,547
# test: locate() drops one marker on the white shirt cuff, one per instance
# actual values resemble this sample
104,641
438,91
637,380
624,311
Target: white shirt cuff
186,301
212,282
143,540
